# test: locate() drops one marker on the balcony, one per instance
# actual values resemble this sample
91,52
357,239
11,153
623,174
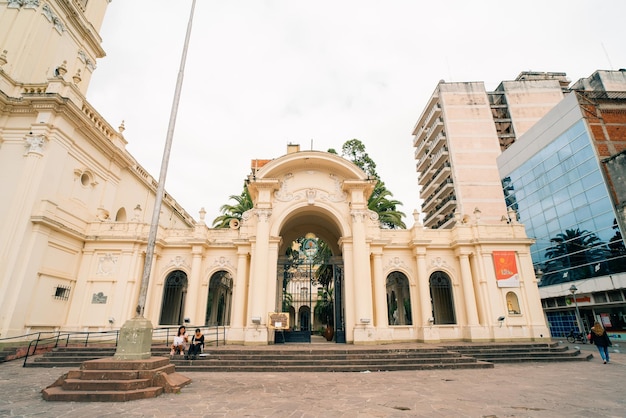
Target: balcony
442,210
434,113
423,164
433,174
440,157
441,192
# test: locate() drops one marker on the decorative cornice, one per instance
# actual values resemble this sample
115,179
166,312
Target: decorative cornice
311,195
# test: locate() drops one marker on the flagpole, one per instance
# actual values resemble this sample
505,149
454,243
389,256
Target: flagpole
135,338
154,224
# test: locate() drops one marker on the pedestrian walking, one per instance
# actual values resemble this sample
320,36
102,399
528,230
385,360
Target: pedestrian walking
599,337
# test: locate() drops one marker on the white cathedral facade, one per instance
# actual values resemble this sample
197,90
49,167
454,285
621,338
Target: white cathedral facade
77,209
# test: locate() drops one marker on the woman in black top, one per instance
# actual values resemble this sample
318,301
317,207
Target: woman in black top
599,337
197,344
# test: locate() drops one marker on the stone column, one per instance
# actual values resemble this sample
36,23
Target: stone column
239,288
362,279
423,289
13,227
379,291
258,278
191,310
468,289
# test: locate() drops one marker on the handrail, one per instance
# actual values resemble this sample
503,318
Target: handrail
106,336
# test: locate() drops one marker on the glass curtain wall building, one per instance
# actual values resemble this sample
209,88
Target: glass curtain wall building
553,181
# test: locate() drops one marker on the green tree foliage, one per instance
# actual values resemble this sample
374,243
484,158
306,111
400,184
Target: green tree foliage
243,203
381,200
574,255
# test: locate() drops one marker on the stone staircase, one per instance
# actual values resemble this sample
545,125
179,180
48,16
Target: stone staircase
518,353
8,353
334,357
70,356
296,358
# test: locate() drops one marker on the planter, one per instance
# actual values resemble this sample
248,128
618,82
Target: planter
329,332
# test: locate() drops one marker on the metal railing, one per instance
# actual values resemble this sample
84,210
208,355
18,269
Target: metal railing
48,340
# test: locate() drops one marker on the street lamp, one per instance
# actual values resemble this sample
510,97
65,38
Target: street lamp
573,289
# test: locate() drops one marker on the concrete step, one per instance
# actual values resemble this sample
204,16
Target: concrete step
334,368
57,393
105,384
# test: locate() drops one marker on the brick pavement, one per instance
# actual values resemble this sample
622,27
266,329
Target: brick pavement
564,389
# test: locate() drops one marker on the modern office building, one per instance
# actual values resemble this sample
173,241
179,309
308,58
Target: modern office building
78,207
564,180
558,153
461,132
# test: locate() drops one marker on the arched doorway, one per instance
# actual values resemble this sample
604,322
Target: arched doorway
441,298
219,299
312,286
174,293
398,299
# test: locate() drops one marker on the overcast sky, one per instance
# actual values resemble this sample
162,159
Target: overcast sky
264,73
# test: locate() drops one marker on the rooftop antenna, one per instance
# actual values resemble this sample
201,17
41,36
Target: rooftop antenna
311,144
607,56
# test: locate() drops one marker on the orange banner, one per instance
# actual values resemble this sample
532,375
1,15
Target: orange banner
506,268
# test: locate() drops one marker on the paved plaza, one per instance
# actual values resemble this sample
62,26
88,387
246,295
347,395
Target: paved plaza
563,389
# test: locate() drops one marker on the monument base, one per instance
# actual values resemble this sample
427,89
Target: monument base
111,380
135,340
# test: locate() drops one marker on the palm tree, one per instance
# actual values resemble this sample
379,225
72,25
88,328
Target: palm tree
236,211
574,255
388,216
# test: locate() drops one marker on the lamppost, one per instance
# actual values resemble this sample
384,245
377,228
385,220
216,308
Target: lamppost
573,289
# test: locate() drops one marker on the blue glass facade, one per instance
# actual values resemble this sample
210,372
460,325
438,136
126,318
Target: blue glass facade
560,196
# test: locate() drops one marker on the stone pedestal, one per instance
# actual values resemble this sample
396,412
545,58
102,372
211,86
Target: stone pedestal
111,380
135,340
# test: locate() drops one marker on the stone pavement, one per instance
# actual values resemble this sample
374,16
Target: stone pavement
563,389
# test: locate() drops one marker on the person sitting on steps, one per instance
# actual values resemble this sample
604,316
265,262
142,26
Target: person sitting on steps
180,342
197,344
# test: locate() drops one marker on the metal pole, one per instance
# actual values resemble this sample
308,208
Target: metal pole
310,302
154,224
577,315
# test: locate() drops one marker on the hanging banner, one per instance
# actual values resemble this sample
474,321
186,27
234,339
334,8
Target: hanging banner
505,264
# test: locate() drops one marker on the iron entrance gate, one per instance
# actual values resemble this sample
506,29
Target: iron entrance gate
298,294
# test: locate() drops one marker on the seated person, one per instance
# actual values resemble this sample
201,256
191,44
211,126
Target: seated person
180,342
197,344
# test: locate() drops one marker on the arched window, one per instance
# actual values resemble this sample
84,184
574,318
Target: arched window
219,299
512,304
441,298
120,216
174,292
398,299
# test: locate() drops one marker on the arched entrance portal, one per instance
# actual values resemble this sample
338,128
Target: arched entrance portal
309,277
174,293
